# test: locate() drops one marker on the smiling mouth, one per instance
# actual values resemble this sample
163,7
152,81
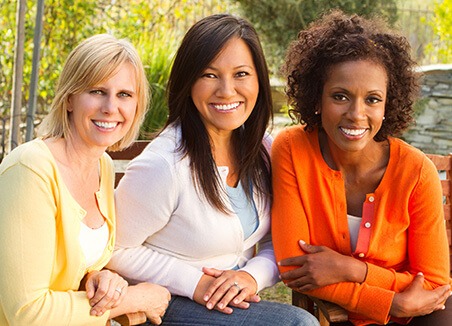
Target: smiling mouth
353,132
226,107
105,125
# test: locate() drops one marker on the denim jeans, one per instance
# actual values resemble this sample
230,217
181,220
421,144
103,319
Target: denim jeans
183,311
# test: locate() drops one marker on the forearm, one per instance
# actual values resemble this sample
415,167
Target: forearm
141,264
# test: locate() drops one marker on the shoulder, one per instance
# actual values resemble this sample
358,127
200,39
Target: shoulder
33,155
404,155
295,137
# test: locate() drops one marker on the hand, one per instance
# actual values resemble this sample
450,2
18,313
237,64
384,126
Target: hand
234,288
152,299
321,266
105,290
416,301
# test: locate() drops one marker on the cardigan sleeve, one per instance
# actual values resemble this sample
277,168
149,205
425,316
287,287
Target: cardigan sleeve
28,232
145,200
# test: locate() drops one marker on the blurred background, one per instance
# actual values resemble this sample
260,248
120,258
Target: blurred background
37,35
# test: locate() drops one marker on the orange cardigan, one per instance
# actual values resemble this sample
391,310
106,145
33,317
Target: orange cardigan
402,232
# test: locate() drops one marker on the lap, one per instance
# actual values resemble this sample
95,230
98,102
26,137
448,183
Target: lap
437,318
183,311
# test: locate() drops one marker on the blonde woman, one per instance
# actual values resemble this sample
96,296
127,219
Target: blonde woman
57,214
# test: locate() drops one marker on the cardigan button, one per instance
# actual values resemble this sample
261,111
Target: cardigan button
371,199
361,255
367,225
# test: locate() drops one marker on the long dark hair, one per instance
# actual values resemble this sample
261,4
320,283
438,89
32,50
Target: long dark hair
200,46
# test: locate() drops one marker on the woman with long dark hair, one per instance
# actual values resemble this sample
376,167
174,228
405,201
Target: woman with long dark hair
194,207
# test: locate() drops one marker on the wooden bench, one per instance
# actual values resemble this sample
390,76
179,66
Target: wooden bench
120,159
327,312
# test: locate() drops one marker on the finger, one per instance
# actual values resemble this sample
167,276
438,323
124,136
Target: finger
213,290
293,275
309,249
228,289
231,294
225,310
156,320
254,298
292,261
101,291
90,287
122,292
212,271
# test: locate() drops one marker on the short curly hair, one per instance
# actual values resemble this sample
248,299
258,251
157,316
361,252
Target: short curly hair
336,38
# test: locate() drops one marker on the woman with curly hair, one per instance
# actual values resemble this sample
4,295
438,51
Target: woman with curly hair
357,213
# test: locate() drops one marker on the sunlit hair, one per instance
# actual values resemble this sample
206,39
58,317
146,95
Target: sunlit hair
200,46
93,61
338,38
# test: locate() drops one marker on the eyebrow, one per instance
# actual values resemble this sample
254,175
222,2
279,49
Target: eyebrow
236,67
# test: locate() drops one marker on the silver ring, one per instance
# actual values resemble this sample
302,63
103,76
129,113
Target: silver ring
237,286
119,290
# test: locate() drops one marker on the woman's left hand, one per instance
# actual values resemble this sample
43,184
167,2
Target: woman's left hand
234,288
105,290
321,266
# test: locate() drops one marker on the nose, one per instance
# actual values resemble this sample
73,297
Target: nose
357,110
226,88
110,104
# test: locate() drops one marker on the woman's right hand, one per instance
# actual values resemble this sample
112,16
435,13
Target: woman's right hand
152,299
416,301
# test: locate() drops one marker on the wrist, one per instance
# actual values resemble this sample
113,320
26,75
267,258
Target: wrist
356,271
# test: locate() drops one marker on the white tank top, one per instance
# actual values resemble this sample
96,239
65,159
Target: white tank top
93,242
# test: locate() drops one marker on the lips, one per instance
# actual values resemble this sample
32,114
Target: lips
105,125
226,107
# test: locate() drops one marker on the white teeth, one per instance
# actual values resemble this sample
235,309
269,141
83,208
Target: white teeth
105,125
226,107
353,132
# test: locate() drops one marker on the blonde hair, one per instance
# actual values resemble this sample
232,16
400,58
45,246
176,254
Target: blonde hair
93,61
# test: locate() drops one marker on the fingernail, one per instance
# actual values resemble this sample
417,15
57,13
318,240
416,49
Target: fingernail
220,305
206,298
209,306
93,312
236,301
301,241
420,273
279,263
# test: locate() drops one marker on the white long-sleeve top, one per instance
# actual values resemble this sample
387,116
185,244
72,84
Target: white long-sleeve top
166,231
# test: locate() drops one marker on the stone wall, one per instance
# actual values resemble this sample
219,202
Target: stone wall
433,130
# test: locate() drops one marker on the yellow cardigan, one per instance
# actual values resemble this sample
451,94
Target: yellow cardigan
41,262
404,212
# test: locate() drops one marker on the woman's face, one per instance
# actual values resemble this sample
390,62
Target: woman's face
353,104
102,114
227,91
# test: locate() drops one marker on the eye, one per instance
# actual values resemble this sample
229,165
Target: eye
96,91
339,97
208,75
124,94
374,100
242,74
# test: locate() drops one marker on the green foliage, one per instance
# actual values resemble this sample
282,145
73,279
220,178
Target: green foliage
278,22
442,25
155,27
